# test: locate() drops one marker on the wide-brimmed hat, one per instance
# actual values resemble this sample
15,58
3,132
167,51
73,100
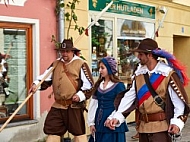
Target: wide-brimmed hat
146,45
67,44
76,49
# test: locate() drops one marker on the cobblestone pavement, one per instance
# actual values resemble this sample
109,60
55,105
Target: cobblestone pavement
185,132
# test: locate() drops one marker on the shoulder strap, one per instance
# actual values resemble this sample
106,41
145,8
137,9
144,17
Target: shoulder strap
157,99
69,76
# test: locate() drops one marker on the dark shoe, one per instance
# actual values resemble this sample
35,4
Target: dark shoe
135,137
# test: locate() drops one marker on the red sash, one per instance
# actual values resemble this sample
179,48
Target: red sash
144,93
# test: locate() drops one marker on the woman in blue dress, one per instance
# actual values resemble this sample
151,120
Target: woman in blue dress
102,103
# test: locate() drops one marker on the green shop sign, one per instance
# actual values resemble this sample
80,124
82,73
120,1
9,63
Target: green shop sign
123,7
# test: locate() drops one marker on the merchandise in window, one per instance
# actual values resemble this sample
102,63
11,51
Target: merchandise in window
129,35
102,43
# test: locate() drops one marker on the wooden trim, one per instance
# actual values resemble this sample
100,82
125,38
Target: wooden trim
29,67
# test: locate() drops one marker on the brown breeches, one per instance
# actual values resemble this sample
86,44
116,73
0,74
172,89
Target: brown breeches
59,121
154,137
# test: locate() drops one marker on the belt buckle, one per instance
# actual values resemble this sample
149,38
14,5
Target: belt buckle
158,100
63,102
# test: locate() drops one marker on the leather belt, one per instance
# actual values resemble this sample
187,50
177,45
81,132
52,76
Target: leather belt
160,116
64,102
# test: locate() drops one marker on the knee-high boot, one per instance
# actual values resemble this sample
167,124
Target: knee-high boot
81,138
53,138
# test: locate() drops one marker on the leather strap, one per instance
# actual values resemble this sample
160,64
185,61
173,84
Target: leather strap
74,84
160,116
69,76
157,99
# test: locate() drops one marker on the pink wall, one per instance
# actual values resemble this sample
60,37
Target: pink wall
44,11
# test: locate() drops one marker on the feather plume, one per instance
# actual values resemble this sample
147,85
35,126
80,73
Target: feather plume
173,63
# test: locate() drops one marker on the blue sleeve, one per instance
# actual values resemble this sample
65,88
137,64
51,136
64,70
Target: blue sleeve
120,87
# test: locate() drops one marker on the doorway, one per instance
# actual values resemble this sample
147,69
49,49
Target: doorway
181,50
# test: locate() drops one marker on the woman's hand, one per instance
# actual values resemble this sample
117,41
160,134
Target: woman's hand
111,123
92,130
107,123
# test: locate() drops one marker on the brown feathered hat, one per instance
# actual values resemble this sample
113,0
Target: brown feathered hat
146,45
67,44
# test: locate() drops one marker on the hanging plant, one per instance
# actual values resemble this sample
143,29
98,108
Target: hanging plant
70,17
56,43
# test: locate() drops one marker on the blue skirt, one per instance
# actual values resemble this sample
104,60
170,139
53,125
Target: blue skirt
108,137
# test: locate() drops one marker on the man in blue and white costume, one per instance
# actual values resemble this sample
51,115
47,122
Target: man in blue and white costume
163,110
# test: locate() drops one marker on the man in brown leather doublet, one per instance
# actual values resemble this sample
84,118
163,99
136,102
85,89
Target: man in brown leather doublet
72,83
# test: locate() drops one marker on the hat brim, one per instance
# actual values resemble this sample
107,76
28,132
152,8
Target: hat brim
72,49
139,50
76,49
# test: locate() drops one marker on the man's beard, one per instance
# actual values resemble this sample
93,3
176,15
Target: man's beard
141,63
65,58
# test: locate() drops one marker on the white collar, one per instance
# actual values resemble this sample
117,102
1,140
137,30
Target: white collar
110,83
161,68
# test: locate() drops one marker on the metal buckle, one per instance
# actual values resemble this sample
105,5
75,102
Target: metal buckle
158,100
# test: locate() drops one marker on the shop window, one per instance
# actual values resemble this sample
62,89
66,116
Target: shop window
129,35
102,43
16,71
127,61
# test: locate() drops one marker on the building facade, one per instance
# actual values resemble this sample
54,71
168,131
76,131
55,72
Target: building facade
26,29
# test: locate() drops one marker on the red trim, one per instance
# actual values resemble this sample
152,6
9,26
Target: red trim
155,86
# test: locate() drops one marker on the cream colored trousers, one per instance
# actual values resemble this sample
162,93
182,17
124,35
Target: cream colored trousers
55,138
81,138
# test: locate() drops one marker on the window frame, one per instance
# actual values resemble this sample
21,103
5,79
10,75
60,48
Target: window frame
114,17
29,65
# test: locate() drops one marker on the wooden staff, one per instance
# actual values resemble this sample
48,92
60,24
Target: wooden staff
21,105
30,95
11,45
9,49
160,23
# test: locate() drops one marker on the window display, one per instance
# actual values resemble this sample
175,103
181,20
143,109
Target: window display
102,43
15,70
131,29
127,61
129,35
